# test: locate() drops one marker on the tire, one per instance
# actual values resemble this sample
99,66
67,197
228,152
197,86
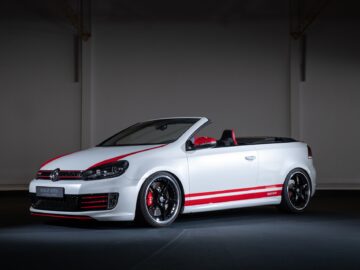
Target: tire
296,192
160,199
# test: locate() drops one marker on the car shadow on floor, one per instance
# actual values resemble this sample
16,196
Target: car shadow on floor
326,206
235,217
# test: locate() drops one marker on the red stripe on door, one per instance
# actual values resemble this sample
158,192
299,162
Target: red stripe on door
239,197
230,191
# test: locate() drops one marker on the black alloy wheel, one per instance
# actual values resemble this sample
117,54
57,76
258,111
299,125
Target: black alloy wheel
160,199
296,191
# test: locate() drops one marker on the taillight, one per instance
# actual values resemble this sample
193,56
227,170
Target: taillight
309,152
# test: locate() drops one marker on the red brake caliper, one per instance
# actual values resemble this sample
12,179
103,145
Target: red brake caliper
149,198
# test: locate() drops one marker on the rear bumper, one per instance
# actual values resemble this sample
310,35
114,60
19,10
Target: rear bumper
124,210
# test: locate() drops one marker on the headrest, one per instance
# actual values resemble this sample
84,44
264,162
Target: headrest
228,137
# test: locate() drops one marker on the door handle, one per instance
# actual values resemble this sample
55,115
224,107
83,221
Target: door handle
250,158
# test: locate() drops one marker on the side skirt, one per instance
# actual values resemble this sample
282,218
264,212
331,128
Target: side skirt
232,204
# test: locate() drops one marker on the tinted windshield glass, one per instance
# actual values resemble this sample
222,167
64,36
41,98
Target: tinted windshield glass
152,132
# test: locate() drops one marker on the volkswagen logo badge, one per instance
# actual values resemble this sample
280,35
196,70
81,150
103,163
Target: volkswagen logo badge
54,175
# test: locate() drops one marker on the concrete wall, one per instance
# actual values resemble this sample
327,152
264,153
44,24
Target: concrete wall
330,107
237,73
39,100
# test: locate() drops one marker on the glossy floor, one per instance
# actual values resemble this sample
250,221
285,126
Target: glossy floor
327,236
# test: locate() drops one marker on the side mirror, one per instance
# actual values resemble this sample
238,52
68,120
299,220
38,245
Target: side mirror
204,142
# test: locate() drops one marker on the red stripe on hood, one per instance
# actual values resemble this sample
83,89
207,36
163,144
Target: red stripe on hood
52,159
114,159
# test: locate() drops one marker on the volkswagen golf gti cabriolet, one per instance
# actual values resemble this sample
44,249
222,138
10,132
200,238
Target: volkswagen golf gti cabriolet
158,169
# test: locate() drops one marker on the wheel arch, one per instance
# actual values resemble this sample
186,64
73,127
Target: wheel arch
181,189
149,174
306,171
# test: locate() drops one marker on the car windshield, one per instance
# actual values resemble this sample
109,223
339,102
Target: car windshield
161,131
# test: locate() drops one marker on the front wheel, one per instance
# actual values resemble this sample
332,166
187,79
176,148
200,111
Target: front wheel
296,192
160,199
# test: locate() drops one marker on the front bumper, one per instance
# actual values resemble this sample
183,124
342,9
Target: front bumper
125,208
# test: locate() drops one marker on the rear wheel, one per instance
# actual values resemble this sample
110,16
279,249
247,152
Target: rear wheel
160,199
296,192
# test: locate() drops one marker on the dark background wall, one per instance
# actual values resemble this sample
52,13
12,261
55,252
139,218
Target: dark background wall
39,100
232,61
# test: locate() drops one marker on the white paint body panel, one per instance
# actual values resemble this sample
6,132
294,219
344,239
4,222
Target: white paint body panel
222,168
199,171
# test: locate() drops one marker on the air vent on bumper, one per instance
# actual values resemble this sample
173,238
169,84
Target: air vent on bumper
76,203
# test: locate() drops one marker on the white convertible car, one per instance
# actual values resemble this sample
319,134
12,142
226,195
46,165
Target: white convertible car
160,168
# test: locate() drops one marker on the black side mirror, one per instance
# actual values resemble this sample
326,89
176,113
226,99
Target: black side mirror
189,145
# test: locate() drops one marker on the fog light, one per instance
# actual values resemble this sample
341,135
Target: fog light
112,200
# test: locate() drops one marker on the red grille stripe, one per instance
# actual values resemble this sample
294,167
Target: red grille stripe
234,198
91,202
69,177
94,197
230,191
60,177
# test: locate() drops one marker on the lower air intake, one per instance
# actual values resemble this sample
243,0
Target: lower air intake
76,203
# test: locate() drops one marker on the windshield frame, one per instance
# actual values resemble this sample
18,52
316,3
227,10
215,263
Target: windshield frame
190,120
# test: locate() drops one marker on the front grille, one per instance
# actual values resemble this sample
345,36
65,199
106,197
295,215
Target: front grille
75,203
63,175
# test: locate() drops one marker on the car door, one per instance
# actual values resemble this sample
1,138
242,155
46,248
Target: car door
217,172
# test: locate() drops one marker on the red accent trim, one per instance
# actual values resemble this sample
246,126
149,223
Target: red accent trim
230,191
61,170
149,198
233,137
203,140
61,216
65,177
234,198
52,159
114,159
94,197
94,206
60,177
91,202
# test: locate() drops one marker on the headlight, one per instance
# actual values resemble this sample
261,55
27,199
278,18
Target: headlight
106,171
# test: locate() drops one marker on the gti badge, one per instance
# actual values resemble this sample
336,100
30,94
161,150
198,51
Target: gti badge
54,175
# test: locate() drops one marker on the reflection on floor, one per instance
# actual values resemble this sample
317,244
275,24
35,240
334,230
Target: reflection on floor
327,236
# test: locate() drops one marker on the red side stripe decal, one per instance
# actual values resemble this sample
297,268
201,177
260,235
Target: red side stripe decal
122,156
234,198
230,191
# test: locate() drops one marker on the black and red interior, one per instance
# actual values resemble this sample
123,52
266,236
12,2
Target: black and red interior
227,138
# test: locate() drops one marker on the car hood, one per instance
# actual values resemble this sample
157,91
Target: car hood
85,159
